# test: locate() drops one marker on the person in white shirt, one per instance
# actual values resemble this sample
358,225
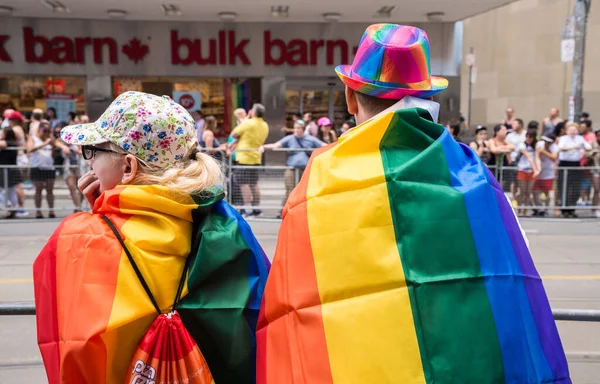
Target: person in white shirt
572,147
516,137
546,156
527,171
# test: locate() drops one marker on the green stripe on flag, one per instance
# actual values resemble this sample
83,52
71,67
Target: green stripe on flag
215,312
453,319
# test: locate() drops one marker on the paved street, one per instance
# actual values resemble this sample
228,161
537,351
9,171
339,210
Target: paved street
566,254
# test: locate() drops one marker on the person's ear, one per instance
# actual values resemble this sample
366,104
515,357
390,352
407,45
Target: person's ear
131,169
351,101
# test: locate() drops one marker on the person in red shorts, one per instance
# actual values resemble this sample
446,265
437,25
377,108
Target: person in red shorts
546,155
527,171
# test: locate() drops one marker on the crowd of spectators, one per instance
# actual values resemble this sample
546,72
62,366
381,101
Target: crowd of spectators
32,156
553,159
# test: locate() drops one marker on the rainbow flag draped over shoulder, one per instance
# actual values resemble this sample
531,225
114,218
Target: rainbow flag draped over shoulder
400,260
92,311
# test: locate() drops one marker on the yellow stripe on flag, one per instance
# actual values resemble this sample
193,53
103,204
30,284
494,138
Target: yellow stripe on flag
166,243
366,309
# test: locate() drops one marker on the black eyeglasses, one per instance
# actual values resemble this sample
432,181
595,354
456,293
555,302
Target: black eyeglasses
89,151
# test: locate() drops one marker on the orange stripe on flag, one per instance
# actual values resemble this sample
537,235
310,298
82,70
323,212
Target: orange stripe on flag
292,307
85,302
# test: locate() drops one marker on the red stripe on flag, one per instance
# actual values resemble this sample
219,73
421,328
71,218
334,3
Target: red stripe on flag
44,275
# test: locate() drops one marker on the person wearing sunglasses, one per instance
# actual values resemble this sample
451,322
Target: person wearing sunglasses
158,201
40,148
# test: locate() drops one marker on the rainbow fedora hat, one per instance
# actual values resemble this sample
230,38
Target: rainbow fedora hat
392,61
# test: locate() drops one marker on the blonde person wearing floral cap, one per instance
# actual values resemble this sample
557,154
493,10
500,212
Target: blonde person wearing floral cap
149,185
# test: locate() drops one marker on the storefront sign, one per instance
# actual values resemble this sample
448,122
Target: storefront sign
132,48
4,56
188,100
224,50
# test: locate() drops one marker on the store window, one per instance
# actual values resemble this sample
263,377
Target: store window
328,102
218,97
25,93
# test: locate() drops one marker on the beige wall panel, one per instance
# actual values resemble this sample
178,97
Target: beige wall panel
519,64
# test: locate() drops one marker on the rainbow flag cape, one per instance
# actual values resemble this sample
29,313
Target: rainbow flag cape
400,260
92,311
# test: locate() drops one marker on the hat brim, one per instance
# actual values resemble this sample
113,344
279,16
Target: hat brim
82,134
344,72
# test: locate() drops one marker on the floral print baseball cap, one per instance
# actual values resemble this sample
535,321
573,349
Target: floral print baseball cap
155,129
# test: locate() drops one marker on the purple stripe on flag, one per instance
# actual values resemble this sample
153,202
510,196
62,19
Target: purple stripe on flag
542,313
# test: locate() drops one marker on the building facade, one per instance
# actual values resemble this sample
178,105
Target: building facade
518,60
215,67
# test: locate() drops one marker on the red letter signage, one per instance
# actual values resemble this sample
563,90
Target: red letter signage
4,56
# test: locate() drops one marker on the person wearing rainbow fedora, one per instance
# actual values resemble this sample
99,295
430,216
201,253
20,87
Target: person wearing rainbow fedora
399,259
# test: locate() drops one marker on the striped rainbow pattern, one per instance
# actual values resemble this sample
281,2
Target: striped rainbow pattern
400,260
168,353
392,61
92,311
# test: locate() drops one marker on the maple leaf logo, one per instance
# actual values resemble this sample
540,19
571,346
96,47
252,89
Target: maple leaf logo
135,50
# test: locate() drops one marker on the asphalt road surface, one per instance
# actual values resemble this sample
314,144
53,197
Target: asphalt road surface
566,253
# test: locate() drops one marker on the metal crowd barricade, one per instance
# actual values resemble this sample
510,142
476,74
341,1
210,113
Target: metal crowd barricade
16,184
273,186
26,308
269,184
571,188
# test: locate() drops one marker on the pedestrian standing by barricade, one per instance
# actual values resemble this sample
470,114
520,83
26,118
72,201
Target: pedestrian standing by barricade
399,258
160,239
5,115
240,116
36,118
527,171
15,121
310,126
594,156
550,123
71,166
348,125
298,159
199,122
40,149
9,177
500,151
250,135
585,130
509,119
51,117
453,127
326,132
480,145
546,152
572,147
209,142
515,137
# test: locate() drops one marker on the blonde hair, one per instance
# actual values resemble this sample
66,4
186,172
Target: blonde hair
240,113
197,174
573,125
